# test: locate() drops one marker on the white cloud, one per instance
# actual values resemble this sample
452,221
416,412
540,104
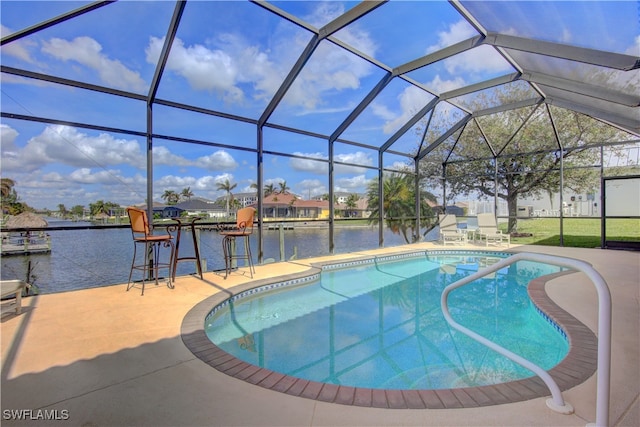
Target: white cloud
411,100
457,32
18,49
66,145
358,157
316,167
382,111
357,184
88,52
439,85
204,69
330,69
86,176
480,59
173,182
8,136
634,49
223,69
310,188
220,160
162,156
229,63
309,165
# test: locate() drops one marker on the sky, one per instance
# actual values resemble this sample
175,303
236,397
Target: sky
232,57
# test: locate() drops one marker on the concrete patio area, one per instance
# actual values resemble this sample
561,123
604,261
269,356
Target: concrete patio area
106,357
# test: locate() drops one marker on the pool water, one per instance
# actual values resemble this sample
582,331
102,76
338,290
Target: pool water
381,326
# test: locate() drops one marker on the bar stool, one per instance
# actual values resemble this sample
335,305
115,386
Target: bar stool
196,249
141,234
244,228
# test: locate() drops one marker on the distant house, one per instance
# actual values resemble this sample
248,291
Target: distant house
167,211
289,206
203,208
162,210
245,199
361,209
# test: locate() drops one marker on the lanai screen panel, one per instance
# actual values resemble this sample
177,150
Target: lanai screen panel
246,50
328,88
609,25
86,48
228,56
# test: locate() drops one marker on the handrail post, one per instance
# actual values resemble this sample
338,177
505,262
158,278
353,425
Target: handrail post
604,331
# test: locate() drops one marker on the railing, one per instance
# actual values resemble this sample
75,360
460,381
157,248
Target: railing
556,403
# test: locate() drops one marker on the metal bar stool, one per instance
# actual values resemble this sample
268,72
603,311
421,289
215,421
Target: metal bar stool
196,248
244,228
152,243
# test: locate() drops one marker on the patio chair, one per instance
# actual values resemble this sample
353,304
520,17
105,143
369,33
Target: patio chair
449,231
488,231
244,229
152,243
14,287
472,227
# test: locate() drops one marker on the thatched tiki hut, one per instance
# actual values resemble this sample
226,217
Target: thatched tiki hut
19,240
26,220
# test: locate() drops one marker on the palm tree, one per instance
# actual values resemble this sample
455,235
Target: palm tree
171,197
283,187
269,190
227,187
97,207
7,185
399,205
186,193
10,198
351,203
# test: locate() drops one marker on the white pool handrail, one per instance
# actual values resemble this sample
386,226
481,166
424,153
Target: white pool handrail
556,403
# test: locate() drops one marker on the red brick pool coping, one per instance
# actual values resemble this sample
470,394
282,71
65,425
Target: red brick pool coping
579,364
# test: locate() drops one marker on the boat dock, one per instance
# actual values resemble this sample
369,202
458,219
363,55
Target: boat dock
20,244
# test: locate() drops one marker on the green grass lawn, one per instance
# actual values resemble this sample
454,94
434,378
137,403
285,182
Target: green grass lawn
578,232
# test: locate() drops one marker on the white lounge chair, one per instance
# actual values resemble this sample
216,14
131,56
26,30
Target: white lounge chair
488,231
449,231
472,227
11,287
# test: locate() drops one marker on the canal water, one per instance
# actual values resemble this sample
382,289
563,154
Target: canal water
82,258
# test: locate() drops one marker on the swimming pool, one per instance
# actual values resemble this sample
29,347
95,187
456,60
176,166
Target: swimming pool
378,324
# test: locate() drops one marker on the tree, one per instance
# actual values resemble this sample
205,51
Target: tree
10,200
227,187
62,209
186,193
283,187
171,197
399,205
527,157
103,207
97,207
78,211
235,204
351,203
7,185
269,190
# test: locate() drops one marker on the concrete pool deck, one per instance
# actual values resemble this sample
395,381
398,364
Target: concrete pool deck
106,357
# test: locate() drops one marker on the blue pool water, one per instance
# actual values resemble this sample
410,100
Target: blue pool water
380,325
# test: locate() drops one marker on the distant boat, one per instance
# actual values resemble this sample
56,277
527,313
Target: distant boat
23,241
